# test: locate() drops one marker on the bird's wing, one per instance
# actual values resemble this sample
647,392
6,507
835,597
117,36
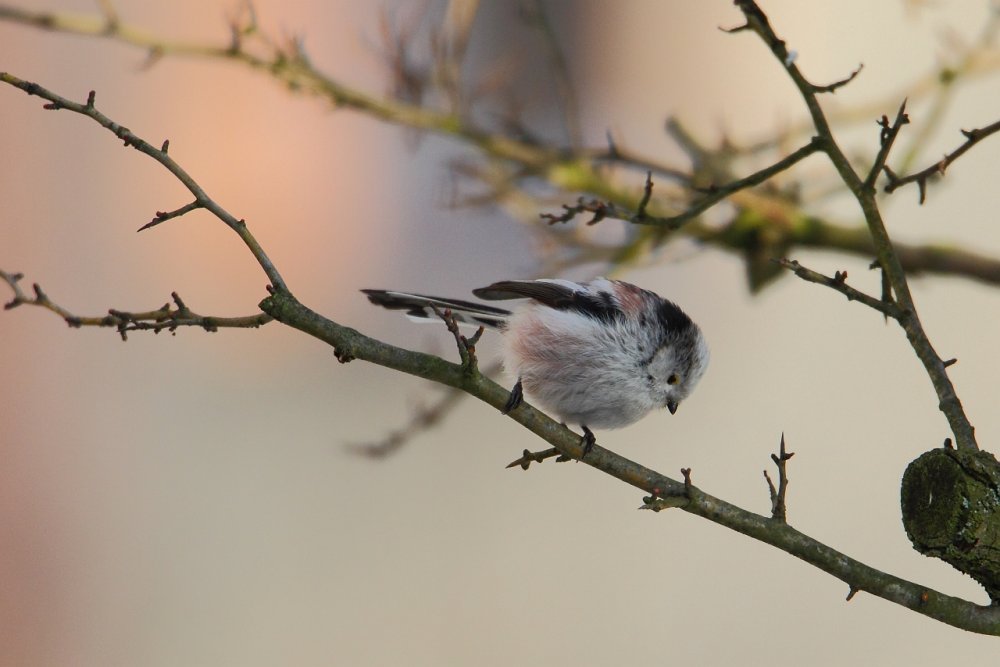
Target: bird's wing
558,294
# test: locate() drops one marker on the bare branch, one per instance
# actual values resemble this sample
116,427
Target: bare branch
779,512
832,87
424,418
466,346
162,216
839,282
165,317
528,457
713,195
945,608
886,139
921,178
948,400
160,155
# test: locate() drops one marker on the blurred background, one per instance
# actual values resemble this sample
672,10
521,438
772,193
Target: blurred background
193,499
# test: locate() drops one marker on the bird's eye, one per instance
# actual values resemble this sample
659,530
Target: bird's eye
673,379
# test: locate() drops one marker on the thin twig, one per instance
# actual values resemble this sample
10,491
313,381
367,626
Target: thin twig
779,510
163,318
528,457
832,87
162,216
466,346
972,137
423,419
616,153
160,155
839,283
713,195
886,140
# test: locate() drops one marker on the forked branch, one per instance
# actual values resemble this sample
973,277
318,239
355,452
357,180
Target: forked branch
864,193
972,137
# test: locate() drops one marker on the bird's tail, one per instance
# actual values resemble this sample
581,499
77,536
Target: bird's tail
422,308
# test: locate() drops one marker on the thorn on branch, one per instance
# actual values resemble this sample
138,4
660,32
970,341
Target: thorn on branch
166,145
852,592
657,502
612,146
887,136
886,129
529,457
182,309
739,28
90,100
647,193
688,486
832,87
163,216
778,509
949,362
472,340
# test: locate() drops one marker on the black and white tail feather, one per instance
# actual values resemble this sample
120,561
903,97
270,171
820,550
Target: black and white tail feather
420,308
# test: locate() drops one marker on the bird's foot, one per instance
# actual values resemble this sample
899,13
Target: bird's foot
515,399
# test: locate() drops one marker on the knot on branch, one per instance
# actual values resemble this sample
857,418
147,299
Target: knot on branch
950,501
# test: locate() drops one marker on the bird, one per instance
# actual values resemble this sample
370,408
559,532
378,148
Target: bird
602,353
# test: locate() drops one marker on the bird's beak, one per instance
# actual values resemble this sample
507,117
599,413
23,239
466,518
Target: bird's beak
672,406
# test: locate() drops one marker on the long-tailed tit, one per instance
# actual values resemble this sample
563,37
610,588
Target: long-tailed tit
601,354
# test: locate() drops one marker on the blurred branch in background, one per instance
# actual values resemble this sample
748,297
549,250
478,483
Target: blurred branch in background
509,162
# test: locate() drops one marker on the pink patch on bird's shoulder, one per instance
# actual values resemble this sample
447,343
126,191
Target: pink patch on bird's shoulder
630,298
